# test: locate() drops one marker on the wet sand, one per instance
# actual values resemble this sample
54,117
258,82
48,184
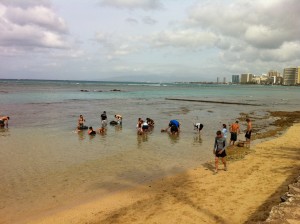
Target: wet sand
243,194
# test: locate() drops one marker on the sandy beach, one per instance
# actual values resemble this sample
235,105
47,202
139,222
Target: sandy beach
243,194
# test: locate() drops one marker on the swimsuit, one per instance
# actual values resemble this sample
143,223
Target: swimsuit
248,134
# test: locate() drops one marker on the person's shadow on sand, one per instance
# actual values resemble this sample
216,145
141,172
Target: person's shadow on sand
209,166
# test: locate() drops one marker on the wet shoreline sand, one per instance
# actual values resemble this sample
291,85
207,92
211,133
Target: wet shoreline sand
244,194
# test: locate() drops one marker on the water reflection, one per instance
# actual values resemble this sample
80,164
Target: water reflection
92,136
197,139
174,138
118,128
142,138
81,135
4,132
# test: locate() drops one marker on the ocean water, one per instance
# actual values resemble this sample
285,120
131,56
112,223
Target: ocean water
45,165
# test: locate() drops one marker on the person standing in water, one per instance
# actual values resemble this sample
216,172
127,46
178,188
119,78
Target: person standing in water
81,121
248,131
103,119
224,131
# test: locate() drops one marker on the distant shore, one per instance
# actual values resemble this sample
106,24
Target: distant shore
243,194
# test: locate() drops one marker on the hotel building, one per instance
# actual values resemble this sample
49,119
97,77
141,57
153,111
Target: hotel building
291,76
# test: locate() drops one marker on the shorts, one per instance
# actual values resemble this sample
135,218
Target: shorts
1,123
174,129
223,154
233,136
248,134
145,127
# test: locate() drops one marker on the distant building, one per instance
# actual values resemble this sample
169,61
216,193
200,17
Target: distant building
224,80
273,73
246,78
274,77
264,79
235,79
256,79
291,76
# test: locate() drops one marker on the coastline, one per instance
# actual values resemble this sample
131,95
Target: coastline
244,194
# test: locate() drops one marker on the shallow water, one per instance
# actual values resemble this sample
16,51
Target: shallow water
46,165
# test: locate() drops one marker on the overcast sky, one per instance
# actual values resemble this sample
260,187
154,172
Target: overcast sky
147,40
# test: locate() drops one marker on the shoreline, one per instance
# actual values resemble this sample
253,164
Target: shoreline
213,101
244,194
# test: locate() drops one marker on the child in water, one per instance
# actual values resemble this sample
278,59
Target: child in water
91,131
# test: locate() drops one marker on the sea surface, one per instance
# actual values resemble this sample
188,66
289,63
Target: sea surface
45,165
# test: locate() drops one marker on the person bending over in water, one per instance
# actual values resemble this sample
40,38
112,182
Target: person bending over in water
119,119
91,131
174,127
145,126
198,127
150,122
4,121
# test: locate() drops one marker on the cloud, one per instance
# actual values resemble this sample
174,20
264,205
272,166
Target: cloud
31,26
115,46
148,20
132,21
133,4
26,3
250,32
288,52
188,39
266,24
261,36
38,16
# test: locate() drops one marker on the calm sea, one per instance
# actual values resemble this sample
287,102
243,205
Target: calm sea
45,165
